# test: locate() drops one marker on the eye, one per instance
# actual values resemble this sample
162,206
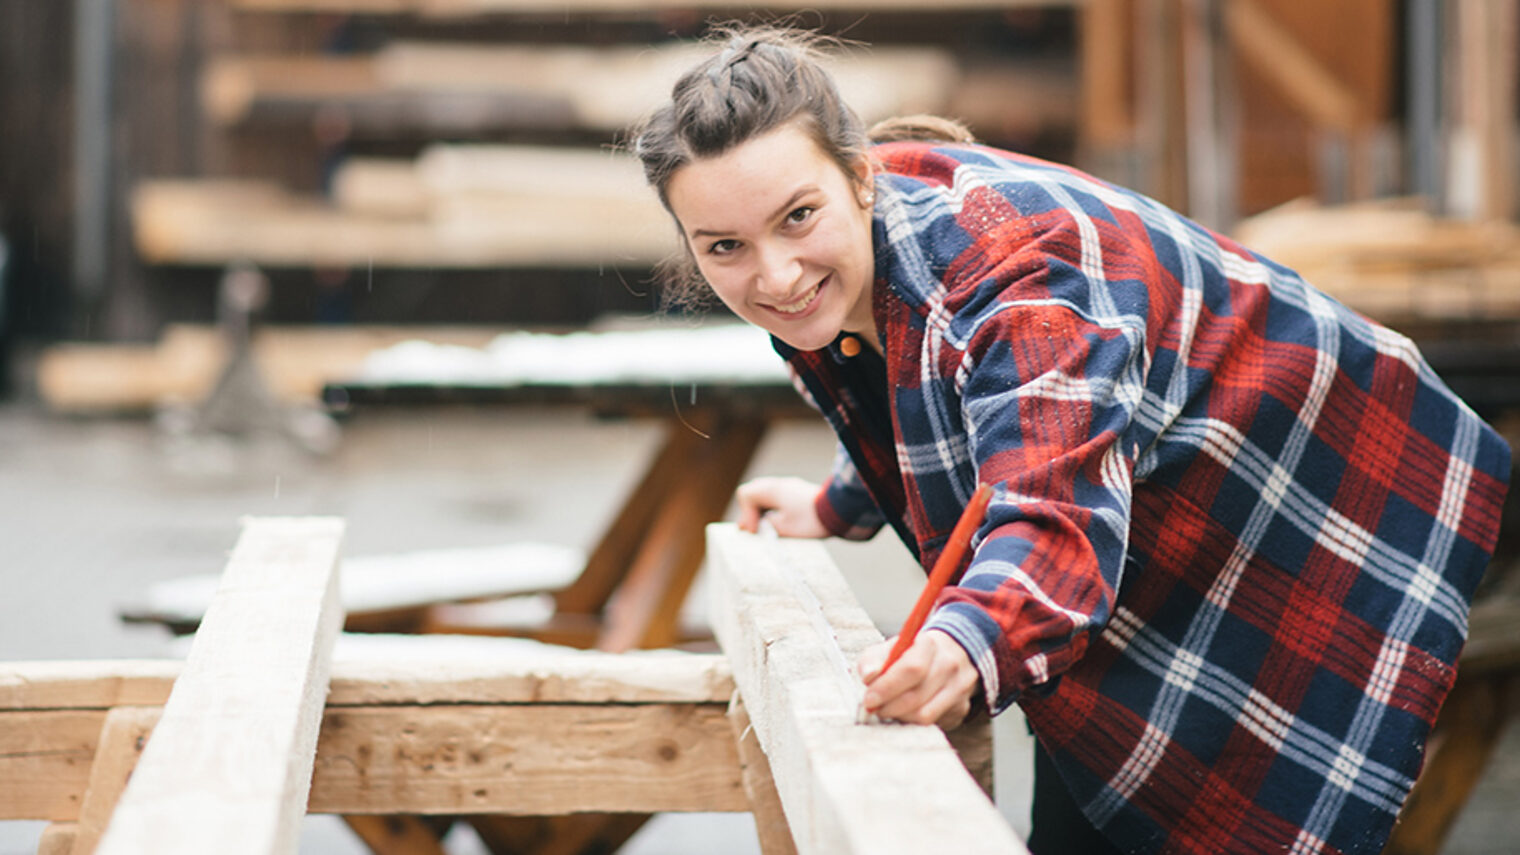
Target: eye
722,247
800,215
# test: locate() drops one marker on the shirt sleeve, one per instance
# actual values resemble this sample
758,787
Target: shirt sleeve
844,505
1047,395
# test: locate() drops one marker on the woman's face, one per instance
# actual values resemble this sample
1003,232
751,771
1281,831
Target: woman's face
782,236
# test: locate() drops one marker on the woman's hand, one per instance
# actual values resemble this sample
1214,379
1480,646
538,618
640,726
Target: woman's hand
786,502
932,683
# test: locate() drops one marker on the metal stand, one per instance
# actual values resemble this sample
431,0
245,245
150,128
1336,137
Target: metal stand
241,405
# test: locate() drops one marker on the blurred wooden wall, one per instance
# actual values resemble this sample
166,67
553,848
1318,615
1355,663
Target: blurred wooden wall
36,137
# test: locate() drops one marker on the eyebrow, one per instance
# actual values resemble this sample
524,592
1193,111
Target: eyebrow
783,208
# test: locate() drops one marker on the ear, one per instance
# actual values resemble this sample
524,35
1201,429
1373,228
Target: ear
865,183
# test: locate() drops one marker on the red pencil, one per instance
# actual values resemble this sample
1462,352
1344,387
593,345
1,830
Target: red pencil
949,561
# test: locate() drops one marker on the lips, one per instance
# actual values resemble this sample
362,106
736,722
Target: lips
801,304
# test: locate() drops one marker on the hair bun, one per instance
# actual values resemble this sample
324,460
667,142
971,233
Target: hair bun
920,128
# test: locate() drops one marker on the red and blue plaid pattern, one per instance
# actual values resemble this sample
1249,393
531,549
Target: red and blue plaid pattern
1237,526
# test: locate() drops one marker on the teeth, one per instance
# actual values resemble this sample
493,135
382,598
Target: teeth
802,303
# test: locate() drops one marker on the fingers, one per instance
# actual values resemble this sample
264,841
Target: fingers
788,502
932,683
749,514
870,661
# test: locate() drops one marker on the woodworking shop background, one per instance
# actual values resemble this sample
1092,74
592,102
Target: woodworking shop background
400,169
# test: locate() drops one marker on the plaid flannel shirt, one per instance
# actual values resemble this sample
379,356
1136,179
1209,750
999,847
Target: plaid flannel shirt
1237,526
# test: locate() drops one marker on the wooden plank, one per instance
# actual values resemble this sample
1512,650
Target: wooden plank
52,712
407,671
229,766
455,8
57,839
575,834
530,759
45,758
608,562
396,834
1472,721
646,608
764,802
231,85
441,85
440,759
1107,65
1276,54
94,684
296,362
845,787
385,588
1483,142
208,222
122,738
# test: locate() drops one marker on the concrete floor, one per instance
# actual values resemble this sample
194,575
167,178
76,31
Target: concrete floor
91,511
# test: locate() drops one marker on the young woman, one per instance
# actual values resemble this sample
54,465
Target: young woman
1236,528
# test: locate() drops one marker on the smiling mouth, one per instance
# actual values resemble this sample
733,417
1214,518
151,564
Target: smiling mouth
800,303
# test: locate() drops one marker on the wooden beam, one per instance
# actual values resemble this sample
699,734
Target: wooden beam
396,834
1302,79
407,672
229,765
57,839
95,684
764,802
1107,68
52,712
845,787
452,86
297,361
215,222
122,738
645,610
456,8
45,758
567,834
1483,141
1472,721
528,758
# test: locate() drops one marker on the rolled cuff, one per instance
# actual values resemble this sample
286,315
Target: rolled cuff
846,511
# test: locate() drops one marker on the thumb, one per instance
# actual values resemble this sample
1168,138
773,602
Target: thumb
754,498
749,516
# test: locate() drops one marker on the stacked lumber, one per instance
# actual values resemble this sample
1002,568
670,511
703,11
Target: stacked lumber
463,8
185,363
454,206
454,86
1392,261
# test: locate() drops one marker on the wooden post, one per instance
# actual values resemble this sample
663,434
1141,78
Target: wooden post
1483,147
1107,69
229,766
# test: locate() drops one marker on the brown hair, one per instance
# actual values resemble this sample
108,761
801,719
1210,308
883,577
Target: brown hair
762,78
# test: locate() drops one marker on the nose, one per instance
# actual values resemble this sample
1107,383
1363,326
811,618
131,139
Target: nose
777,272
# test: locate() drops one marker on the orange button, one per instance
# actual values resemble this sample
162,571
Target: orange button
849,345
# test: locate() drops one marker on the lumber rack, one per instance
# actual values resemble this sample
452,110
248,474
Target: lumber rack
268,719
